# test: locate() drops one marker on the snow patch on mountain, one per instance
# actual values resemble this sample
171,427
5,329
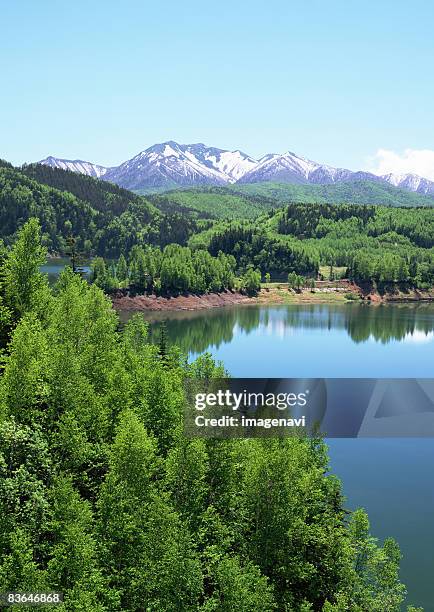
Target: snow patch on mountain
76,165
169,165
288,167
164,165
412,182
233,164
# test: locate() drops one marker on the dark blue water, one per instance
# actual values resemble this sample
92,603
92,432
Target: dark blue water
392,478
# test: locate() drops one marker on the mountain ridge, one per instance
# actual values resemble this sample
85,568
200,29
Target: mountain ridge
75,165
170,165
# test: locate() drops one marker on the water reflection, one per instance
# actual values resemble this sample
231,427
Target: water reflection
196,332
391,478
53,267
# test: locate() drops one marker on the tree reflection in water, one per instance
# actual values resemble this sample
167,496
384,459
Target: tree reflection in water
195,332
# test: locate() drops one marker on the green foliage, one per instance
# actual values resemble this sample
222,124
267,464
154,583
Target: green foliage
213,203
146,546
239,588
251,200
104,498
26,468
122,269
253,245
18,569
103,218
101,195
25,373
106,220
104,277
73,565
295,281
173,270
251,282
351,192
25,288
378,586
374,244
22,198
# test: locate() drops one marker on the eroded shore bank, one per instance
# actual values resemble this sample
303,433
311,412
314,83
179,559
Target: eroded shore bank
180,302
272,294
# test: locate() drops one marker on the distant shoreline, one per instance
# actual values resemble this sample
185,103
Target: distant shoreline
273,294
181,302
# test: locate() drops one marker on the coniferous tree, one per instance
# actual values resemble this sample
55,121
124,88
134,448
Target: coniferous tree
162,345
104,498
122,269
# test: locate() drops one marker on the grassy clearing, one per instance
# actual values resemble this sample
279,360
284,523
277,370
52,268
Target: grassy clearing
279,293
338,271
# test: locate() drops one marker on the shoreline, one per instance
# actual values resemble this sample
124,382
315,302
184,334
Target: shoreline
154,303
274,294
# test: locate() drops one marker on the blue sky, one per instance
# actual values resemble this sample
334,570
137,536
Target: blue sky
335,81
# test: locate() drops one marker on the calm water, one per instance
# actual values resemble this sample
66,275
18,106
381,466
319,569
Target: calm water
392,478
53,268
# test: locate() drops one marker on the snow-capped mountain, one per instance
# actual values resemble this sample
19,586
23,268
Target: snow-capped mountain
291,168
169,165
232,164
76,165
165,165
286,168
412,182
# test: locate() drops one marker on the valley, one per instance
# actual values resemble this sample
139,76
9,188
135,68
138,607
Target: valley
386,248
90,388
217,307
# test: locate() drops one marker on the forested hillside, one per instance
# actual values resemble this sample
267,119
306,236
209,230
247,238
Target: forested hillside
102,218
380,244
101,195
356,192
214,202
375,243
103,498
248,201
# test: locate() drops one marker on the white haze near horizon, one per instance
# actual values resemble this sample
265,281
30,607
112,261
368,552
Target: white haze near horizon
410,161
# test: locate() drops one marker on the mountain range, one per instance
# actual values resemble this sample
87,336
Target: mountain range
170,165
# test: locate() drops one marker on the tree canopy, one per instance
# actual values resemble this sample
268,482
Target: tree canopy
103,498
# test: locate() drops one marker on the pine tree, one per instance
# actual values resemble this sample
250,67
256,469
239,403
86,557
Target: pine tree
75,256
122,269
162,344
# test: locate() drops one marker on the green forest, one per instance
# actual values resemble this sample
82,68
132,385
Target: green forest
376,244
104,499
381,245
104,219
102,496
172,271
355,192
214,203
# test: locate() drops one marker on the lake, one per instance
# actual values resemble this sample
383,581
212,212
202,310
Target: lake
53,267
392,478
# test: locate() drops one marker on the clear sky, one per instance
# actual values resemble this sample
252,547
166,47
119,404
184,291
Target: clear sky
344,82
